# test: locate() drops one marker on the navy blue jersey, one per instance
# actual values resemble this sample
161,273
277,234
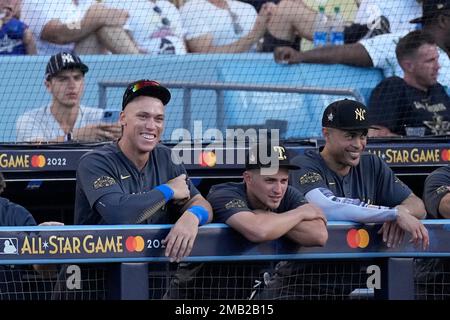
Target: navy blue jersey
371,181
230,198
12,214
437,185
108,172
406,110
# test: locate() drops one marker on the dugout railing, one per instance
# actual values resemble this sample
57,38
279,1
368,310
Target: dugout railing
132,253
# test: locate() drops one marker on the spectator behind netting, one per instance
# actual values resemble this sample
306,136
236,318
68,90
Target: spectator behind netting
380,51
65,119
294,18
154,26
15,36
86,27
223,26
415,105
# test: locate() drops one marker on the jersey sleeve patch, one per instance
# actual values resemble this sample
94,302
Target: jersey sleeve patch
442,189
103,182
310,177
236,203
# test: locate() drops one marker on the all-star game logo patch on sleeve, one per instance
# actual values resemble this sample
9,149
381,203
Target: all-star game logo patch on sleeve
310,177
236,203
443,189
103,182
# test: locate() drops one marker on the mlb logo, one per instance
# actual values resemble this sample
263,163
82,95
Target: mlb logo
9,246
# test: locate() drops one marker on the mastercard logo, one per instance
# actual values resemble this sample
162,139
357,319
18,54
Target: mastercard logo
445,154
207,159
134,244
38,161
357,238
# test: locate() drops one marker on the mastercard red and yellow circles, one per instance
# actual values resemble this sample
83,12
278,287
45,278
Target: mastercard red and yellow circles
134,244
358,238
38,161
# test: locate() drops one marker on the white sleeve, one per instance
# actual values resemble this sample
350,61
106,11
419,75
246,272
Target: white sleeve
381,50
336,208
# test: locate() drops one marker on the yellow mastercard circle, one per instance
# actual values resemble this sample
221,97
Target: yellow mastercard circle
41,161
363,238
210,158
139,243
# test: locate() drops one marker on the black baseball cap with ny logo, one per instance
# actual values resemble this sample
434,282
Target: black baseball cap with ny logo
64,61
346,115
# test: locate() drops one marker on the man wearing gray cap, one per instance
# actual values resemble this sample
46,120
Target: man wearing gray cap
65,119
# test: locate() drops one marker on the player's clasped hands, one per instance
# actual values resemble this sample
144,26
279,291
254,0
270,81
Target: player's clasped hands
180,187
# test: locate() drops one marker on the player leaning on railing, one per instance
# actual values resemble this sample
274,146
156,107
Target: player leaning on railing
348,184
135,179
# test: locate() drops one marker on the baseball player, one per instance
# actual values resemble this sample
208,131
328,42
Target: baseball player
135,180
436,194
261,208
351,185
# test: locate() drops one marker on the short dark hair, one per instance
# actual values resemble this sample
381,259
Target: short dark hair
409,44
2,183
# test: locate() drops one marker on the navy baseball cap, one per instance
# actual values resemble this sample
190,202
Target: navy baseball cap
346,115
64,61
431,9
148,88
254,161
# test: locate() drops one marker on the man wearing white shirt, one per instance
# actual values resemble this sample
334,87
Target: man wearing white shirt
64,119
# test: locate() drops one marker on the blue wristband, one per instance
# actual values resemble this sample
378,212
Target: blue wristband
166,191
201,213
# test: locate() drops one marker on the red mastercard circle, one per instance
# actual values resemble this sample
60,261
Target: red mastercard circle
353,238
445,155
131,244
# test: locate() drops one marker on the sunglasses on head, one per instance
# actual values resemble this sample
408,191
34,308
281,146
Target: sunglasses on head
143,84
